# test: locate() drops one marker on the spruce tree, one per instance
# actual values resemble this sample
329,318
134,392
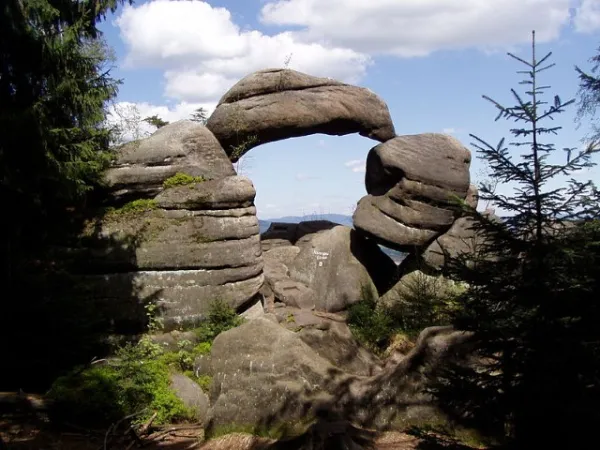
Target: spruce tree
54,85
533,296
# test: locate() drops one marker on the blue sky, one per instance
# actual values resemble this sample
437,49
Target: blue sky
430,60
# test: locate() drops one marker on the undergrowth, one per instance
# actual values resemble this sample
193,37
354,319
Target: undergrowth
420,301
136,380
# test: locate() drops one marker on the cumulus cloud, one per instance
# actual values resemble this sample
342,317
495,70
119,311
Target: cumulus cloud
419,27
587,16
129,117
204,52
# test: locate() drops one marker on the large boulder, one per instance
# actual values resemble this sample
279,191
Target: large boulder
341,267
412,182
258,369
265,375
276,104
184,146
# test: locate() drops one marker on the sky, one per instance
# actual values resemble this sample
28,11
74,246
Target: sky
429,60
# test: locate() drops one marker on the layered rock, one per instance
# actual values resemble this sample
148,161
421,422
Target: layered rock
412,182
461,238
182,248
184,147
270,105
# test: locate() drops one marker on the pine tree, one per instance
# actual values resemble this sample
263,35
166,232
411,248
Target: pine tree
199,115
54,85
589,91
156,121
533,297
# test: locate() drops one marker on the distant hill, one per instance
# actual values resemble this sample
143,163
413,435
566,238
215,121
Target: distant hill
336,218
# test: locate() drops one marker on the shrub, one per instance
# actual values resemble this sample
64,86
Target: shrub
221,317
136,382
370,324
419,302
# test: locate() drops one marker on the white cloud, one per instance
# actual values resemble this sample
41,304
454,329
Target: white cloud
449,130
203,52
419,27
356,165
354,162
587,16
270,206
130,116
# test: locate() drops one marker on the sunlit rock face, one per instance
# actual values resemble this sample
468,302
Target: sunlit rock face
275,104
412,184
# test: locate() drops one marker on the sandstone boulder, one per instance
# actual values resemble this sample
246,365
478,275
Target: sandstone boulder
188,246
258,369
459,239
339,265
412,182
191,395
265,375
185,146
276,104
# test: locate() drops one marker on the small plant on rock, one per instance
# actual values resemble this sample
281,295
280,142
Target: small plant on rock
182,179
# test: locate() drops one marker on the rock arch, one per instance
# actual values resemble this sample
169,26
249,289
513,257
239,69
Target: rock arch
202,239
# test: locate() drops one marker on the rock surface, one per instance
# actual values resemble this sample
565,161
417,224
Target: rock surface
182,146
183,247
191,395
276,104
266,375
459,239
411,182
339,265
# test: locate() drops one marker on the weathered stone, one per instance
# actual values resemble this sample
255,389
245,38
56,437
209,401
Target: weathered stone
417,283
459,239
230,192
284,254
280,231
278,104
126,253
265,374
257,369
191,395
293,293
183,296
341,267
308,228
336,344
184,146
412,182
254,312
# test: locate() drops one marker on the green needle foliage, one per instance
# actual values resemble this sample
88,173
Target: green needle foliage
54,86
533,301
